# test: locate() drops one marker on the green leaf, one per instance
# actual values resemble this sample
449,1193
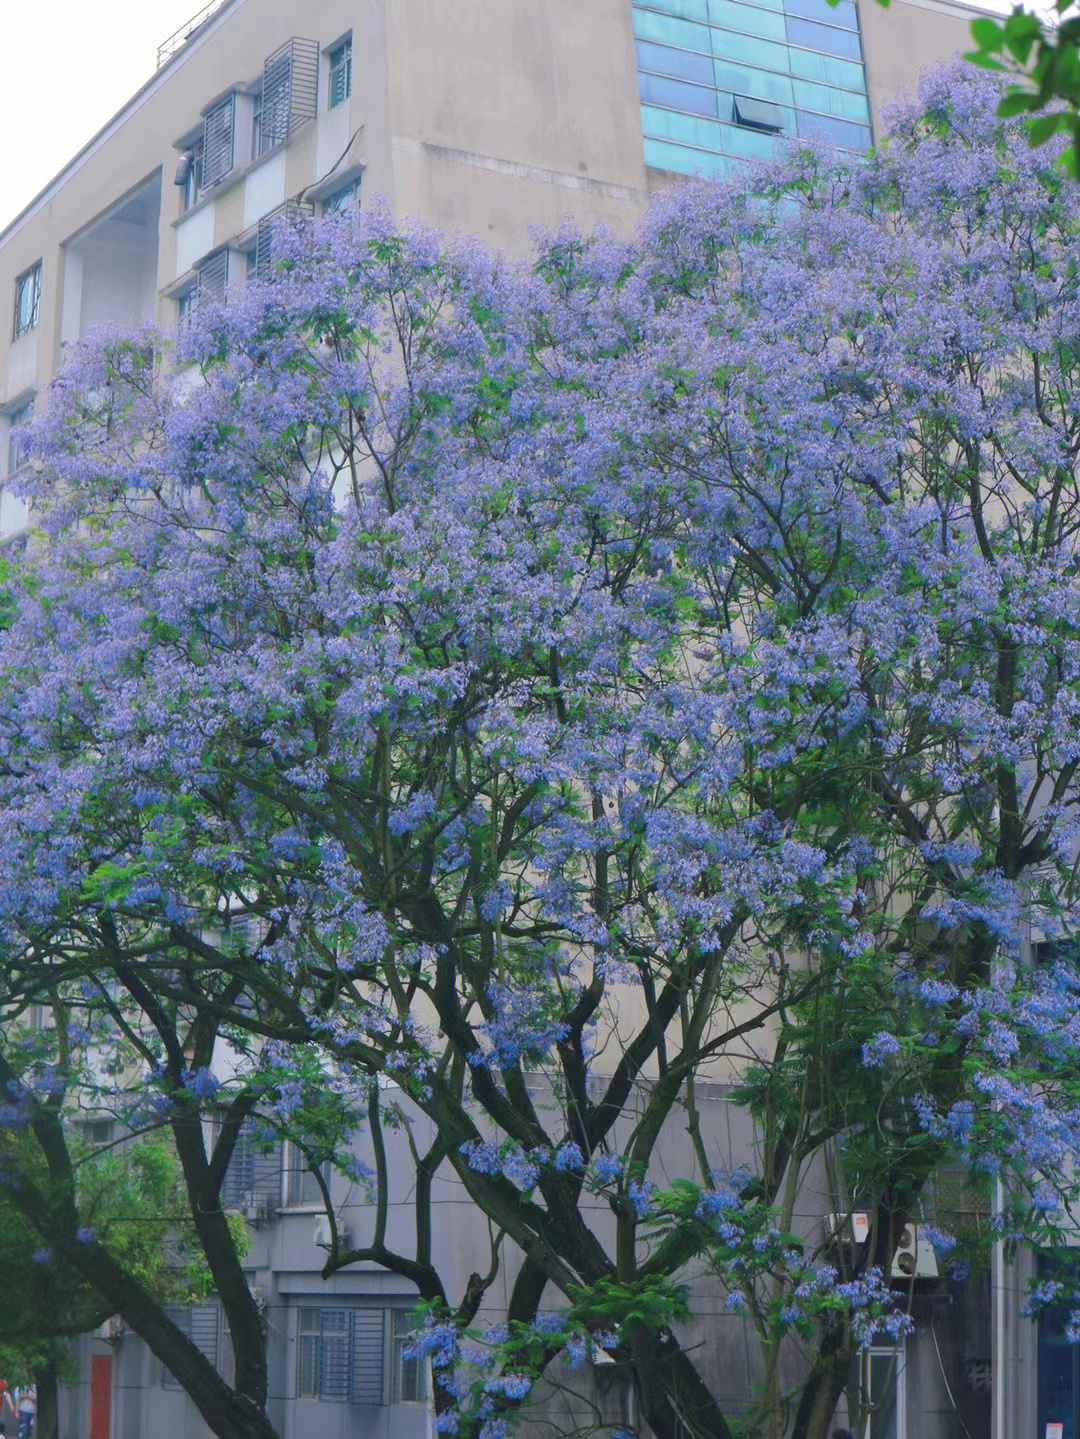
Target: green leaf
1043,126
1016,102
987,33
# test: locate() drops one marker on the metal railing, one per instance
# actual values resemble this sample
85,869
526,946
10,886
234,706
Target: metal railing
179,38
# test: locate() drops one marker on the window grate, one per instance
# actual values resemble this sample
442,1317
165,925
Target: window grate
217,146
290,91
340,1354
213,273
293,212
254,1172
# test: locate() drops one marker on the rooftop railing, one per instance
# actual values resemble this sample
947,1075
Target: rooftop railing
179,38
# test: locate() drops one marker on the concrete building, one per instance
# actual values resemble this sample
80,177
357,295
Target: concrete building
486,117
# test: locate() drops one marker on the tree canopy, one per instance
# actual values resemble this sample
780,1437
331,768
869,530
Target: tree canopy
653,665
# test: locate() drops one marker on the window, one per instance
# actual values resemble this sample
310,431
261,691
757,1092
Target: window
322,1354
340,72
409,1370
189,173
254,1172
757,114
301,1186
98,1131
339,1354
213,275
202,1325
27,299
343,201
16,453
885,1390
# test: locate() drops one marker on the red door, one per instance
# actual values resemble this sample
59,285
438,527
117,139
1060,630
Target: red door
100,1395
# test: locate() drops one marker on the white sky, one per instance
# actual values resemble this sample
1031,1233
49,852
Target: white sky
67,67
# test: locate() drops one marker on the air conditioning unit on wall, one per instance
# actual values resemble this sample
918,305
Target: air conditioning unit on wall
914,1257
257,1211
847,1228
322,1233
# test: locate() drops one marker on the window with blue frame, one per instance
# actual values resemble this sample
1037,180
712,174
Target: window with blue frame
720,80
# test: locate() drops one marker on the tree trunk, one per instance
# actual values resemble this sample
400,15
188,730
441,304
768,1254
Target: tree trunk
229,1413
824,1385
48,1407
675,1400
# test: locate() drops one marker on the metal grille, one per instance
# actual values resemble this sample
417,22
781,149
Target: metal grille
290,91
333,1367
254,1171
204,1330
340,1354
367,1357
217,154
213,275
202,1325
293,212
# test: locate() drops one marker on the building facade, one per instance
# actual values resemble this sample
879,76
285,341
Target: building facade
486,117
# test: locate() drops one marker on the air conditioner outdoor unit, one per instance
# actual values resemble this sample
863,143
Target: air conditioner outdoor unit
851,1229
914,1257
322,1233
257,1211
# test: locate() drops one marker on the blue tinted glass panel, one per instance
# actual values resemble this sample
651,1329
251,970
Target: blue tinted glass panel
748,144
649,26
758,84
827,69
683,64
677,94
831,102
748,19
844,133
824,37
749,50
664,156
841,14
687,9
666,125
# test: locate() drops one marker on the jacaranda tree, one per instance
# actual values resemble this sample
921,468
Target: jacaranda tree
656,664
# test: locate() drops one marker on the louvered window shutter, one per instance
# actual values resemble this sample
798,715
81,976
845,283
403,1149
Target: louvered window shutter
367,1357
217,142
205,1330
239,1179
214,276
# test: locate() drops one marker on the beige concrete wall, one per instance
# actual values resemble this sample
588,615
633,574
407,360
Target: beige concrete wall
903,40
476,117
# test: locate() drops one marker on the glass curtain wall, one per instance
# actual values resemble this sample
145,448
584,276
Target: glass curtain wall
719,80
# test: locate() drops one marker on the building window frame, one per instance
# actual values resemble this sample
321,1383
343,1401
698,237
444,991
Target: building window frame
409,1382
193,174
17,417
323,1353
27,300
340,82
301,1188
344,200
